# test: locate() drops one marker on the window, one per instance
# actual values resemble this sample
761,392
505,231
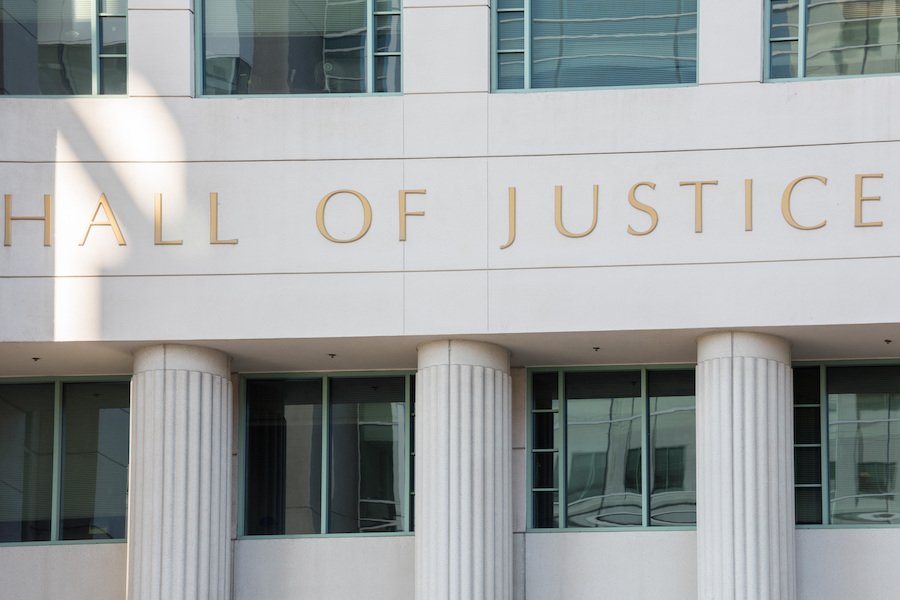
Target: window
63,460
309,47
827,38
846,456
328,454
618,450
544,44
63,47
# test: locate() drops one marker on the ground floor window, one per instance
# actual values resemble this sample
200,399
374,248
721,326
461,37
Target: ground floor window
847,444
612,447
63,460
328,454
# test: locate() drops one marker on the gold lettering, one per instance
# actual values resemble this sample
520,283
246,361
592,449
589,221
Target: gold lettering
157,224
404,213
512,219
786,202
320,216
214,221
557,193
47,218
111,222
698,201
748,205
633,201
859,199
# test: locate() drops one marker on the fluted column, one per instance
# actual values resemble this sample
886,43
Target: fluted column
745,474
179,499
463,511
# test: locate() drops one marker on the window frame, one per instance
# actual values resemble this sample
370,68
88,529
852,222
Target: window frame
646,480
526,54
58,452
825,442
371,56
97,55
325,481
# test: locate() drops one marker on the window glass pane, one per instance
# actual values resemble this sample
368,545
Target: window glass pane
806,385
387,73
613,43
46,47
807,465
545,470
387,33
808,502
544,391
511,71
509,4
510,31
26,461
284,47
807,429
546,432
783,60
114,7
852,37
387,6
113,35
604,437
95,460
368,454
113,75
783,19
673,455
284,457
864,444
545,509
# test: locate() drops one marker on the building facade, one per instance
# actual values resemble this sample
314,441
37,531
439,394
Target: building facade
449,300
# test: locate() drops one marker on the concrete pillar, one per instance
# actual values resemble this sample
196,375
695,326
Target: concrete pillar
463,510
745,474
179,476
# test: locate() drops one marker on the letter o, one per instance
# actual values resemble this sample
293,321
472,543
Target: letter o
320,216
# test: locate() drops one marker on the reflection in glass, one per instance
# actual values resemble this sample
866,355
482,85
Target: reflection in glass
284,47
45,47
368,454
603,414
853,37
864,444
95,460
673,449
576,44
284,457
26,461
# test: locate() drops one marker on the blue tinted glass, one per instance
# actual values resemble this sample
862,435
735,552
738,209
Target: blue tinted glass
648,42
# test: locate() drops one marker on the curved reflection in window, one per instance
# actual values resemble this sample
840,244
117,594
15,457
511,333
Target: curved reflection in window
310,47
864,444
604,448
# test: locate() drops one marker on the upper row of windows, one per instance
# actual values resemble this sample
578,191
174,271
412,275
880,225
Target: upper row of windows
78,47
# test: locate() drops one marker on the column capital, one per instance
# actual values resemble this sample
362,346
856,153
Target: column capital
463,352
726,344
183,358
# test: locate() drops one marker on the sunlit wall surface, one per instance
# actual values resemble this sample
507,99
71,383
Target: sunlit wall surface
316,47
62,47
